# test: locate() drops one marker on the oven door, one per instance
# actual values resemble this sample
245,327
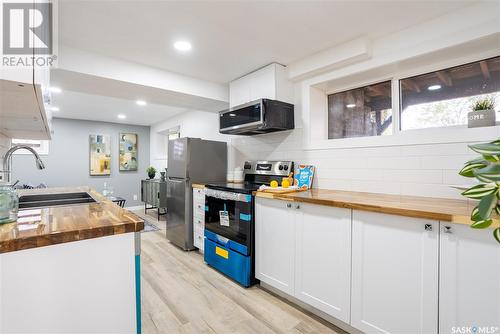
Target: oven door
230,216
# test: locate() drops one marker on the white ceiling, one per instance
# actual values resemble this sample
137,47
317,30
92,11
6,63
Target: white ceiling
231,38
106,109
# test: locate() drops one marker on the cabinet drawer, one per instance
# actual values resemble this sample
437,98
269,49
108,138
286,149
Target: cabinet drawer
198,222
198,242
199,207
198,230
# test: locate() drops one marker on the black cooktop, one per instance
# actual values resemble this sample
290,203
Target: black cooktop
243,188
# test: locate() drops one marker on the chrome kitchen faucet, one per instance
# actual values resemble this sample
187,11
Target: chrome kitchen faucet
7,160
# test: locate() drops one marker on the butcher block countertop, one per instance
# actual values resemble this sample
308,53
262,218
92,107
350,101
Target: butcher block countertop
450,210
60,224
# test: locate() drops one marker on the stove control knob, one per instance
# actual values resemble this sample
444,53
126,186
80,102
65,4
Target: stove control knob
286,167
280,167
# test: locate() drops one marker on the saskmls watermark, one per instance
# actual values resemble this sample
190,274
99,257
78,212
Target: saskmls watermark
28,37
475,330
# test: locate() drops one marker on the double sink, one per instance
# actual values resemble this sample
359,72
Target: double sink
47,200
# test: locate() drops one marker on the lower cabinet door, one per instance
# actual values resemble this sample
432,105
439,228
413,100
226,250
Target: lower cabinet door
469,288
323,259
394,274
275,243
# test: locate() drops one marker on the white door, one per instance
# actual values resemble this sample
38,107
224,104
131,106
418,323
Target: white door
275,243
469,287
323,259
394,274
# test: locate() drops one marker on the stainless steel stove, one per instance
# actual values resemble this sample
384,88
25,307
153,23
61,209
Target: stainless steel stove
229,219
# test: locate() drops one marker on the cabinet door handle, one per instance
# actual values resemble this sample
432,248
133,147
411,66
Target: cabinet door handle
447,229
297,206
288,205
428,227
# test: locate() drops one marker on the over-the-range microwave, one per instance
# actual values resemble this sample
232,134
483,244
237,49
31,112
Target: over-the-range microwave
257,117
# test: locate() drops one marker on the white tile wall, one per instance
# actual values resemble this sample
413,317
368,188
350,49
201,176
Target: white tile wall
4,146
419,170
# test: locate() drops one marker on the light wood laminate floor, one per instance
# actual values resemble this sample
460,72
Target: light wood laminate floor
181,294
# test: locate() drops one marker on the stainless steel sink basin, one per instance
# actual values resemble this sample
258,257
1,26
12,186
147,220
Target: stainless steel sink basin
46,200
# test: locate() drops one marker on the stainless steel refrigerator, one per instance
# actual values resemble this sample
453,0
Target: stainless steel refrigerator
190,160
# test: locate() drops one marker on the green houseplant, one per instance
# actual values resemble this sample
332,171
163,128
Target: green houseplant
487,170
151,172
483,113
487,103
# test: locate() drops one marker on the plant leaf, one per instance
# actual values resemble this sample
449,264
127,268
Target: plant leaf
486,205
497,209
496,142
492,158
482,223
490,172
496,234
486,149
474,216
468,170
480,190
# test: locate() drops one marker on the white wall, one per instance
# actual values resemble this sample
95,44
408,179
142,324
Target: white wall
198,124
422,163
400,164
4,146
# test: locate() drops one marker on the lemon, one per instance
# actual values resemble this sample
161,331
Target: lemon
274,184
285,183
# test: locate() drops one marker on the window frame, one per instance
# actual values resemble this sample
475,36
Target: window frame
396,92
43,150
327,94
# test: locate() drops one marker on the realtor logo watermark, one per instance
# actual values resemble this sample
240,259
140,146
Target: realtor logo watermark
28,34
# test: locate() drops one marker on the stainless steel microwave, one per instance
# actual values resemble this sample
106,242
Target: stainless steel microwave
257,117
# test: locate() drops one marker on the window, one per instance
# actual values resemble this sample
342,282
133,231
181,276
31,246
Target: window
443,98
174,133
40,146
360,112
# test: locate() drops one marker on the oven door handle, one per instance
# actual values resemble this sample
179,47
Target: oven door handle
227,195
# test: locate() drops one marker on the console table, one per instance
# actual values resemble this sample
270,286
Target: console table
154,194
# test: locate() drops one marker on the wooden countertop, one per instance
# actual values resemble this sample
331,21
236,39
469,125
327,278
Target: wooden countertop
198,185
60,224
450,210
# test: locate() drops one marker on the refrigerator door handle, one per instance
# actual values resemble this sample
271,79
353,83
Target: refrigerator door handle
176,180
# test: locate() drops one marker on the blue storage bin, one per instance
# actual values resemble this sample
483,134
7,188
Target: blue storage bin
228,261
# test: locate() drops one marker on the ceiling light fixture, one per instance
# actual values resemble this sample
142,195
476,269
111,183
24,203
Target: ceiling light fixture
182,46
55,89
351,105
121,116
434,87
141,102
53,108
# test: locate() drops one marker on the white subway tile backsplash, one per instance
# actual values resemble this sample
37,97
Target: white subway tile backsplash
420,170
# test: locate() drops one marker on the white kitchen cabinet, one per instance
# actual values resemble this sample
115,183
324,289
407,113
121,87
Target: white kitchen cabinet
469,284
268,82
323,258
275,243
394,274
199,218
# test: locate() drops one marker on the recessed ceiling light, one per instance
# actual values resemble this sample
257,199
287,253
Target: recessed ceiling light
52,108
183,46
121,116
141,102
55,89
434,87
351,105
